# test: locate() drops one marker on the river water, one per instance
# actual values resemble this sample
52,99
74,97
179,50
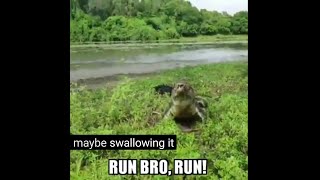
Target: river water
99,62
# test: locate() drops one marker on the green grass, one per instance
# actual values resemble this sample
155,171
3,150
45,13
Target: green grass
127,108
216,38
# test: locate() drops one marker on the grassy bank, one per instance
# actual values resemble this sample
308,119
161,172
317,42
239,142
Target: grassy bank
127,109
216,38
183,40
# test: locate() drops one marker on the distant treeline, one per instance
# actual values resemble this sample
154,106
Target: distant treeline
123,20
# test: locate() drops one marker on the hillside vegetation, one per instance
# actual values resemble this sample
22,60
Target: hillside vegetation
143,20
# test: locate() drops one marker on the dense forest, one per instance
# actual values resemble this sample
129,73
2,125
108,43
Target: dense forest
123,20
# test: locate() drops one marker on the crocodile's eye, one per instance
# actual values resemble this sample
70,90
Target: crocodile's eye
180,85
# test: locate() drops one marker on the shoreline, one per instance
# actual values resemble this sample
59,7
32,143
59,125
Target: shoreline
215,39
112,80
110,45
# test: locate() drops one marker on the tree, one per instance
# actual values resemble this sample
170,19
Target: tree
115,20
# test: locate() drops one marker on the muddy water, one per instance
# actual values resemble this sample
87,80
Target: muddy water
104,63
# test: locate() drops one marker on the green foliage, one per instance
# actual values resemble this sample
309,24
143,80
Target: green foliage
127,109
172,33
155,23
121,20
240,23
223,26
189,30
207,29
